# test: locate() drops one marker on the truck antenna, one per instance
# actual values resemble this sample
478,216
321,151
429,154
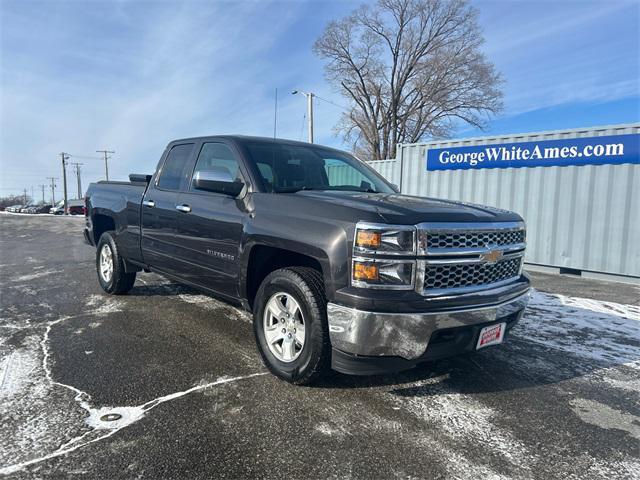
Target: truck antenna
275,116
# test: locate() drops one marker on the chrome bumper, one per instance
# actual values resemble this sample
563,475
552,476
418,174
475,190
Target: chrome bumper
405,335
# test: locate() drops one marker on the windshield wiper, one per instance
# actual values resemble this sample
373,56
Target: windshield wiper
326,187
296,189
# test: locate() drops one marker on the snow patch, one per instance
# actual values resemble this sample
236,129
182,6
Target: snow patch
332,430
596,330
33,276
128,415
209,303
464,418
603,416
17,380
103,305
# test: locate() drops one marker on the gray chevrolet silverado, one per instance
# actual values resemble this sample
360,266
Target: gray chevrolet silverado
339,270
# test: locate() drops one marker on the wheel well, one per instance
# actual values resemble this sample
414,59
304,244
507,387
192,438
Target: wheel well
264,260
101,224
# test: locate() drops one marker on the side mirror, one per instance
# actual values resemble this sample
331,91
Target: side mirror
217,180
395,187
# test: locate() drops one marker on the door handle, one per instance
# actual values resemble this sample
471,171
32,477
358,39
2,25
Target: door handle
149,203
183,208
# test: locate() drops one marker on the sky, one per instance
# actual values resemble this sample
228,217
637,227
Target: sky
132,75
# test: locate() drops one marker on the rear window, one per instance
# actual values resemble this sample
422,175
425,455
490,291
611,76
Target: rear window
174,169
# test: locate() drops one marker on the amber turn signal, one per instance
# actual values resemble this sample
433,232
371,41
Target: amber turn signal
368,239
365,271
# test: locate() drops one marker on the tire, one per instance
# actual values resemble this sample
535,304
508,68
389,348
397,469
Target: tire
313,360
118,282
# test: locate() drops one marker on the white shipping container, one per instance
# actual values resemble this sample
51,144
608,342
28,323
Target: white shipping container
584,218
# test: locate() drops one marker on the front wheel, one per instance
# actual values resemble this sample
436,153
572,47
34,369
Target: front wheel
290,325
110,265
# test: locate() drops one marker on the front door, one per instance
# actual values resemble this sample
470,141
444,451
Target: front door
159,213
210,226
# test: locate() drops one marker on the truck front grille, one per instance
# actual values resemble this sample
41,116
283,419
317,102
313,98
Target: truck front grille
475,239
478,274
460,258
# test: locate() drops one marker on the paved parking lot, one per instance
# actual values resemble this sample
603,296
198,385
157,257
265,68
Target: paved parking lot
560,400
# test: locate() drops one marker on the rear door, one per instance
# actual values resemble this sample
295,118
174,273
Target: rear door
210,225
159,214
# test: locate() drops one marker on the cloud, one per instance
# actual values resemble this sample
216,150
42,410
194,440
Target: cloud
556,53
131,76
155,74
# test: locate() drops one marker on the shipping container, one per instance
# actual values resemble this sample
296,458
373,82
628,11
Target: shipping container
581,218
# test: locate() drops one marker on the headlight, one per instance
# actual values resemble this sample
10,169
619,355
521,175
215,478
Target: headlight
384,239
390,274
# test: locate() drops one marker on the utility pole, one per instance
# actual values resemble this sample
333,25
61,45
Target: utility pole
310,115
106,158
76,167
65,157
53,190
43,187
309,96
24,191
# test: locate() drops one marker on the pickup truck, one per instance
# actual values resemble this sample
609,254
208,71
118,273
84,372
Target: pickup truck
339,270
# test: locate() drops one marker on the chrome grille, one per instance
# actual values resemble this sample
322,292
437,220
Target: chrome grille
451,276
477,239
465,257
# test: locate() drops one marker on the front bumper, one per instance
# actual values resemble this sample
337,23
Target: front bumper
406,336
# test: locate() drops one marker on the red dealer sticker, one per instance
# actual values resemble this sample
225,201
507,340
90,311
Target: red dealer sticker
491,335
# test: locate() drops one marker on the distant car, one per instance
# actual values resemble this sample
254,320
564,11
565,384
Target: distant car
43,209
75,207
30,209
13,208
76,210
58,208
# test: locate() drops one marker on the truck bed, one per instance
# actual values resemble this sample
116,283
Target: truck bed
119,202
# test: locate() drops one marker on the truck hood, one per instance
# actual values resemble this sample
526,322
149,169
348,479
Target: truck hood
408,210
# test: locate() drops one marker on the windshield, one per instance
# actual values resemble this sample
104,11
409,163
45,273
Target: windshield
290,168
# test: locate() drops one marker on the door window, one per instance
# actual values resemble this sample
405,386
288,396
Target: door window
218,157
174,169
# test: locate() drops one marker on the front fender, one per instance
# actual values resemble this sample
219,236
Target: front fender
323,241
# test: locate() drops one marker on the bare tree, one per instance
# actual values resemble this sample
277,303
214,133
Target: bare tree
411,69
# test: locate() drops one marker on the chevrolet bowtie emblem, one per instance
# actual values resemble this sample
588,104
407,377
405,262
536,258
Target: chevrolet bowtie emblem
492,256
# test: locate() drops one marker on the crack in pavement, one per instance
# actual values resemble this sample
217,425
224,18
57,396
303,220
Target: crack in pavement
129,415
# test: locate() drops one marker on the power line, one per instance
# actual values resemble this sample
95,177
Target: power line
87,157
332,103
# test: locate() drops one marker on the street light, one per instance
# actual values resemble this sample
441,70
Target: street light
309,111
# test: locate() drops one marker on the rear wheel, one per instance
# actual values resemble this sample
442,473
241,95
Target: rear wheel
290,325
110,266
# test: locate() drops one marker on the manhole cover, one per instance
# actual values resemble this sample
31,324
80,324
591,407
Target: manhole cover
111,417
